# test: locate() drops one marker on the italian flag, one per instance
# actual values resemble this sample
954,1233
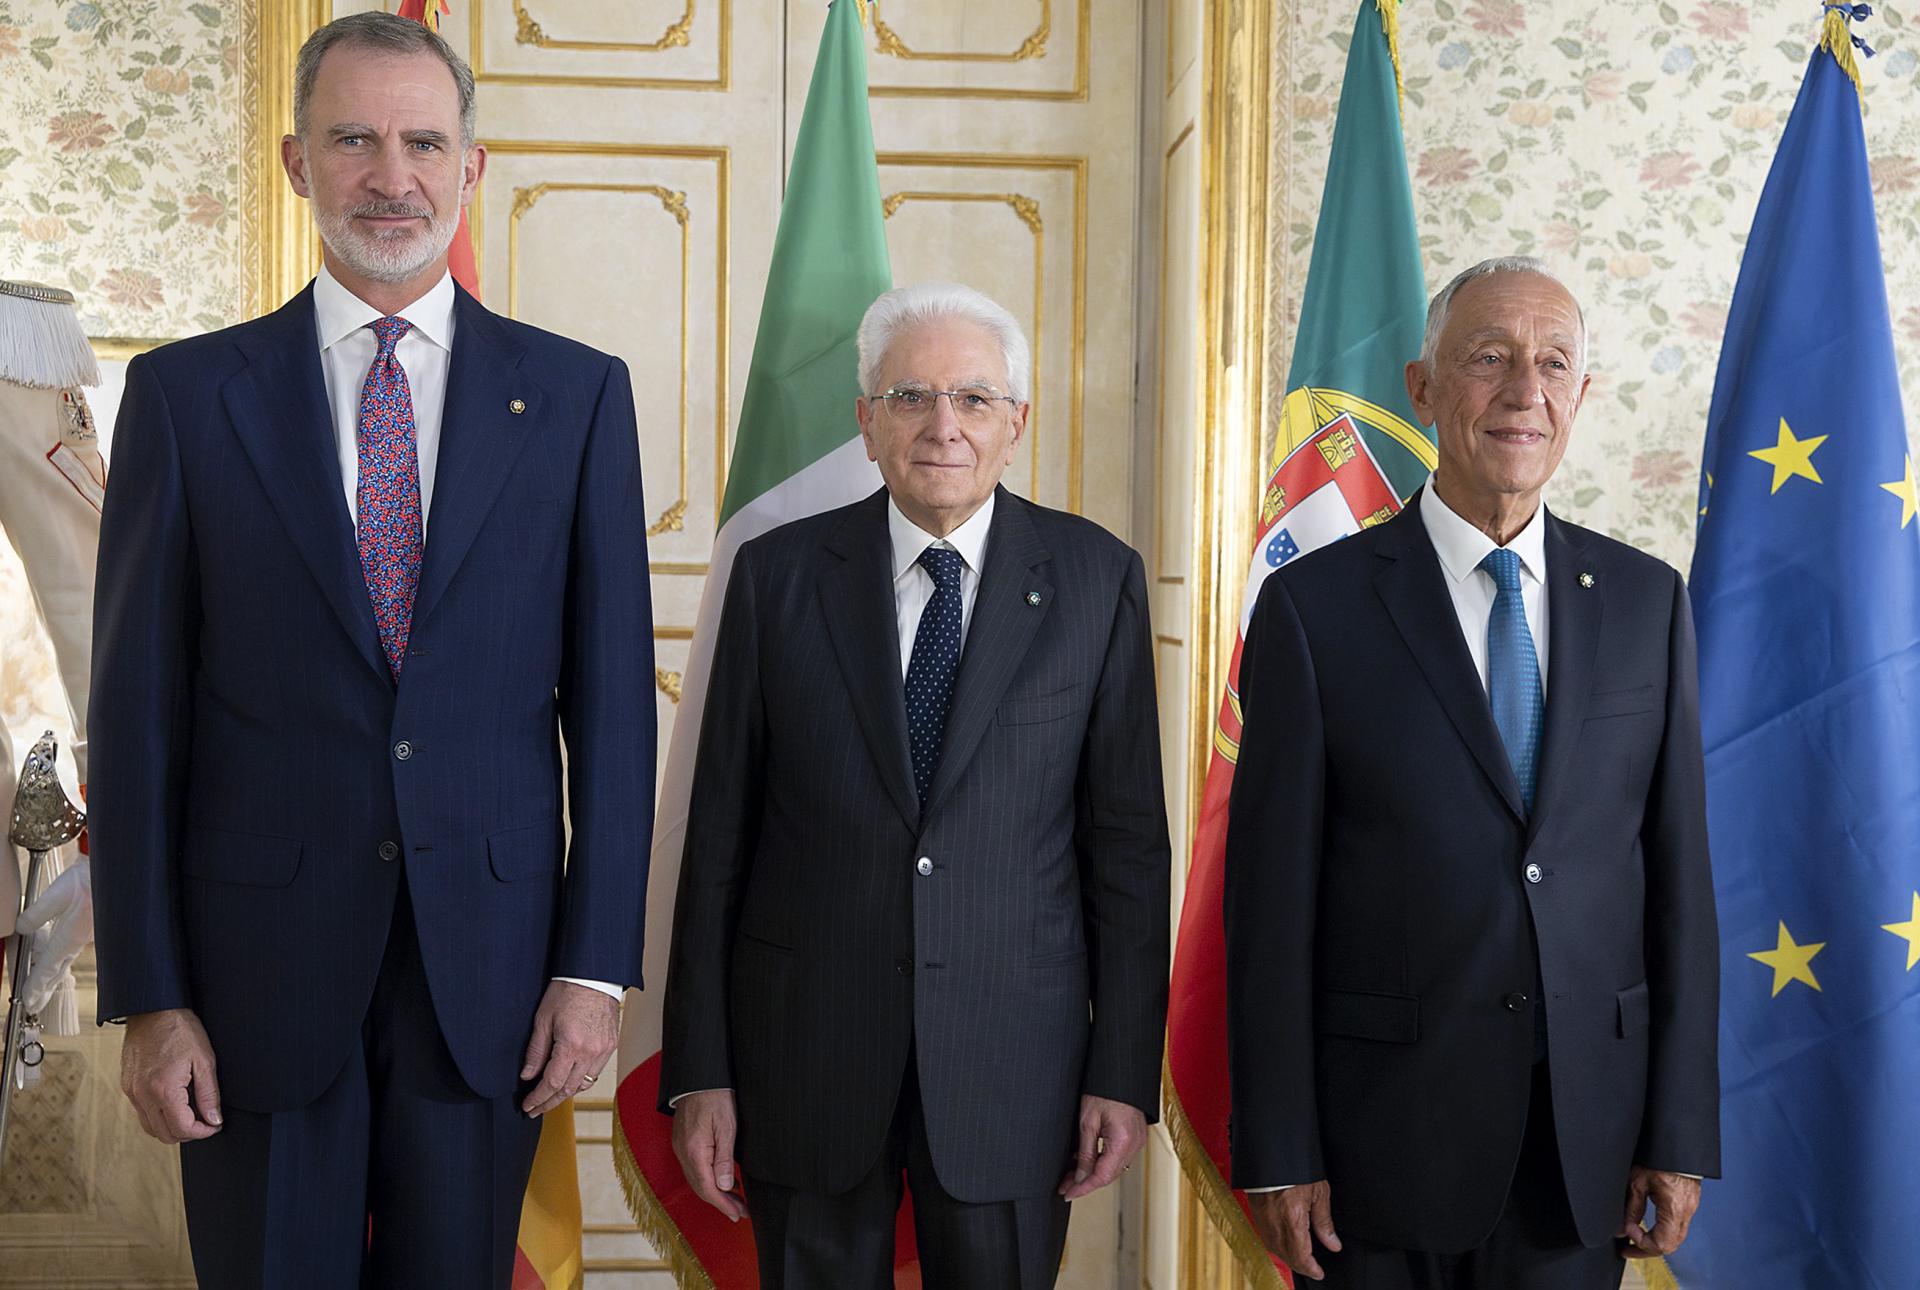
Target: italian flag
797,451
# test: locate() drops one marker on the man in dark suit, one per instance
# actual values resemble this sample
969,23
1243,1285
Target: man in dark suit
1470,929
922,922
365,561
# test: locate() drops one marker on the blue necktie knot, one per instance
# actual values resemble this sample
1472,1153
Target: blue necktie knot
388,332
1504,567
1513,672
943,565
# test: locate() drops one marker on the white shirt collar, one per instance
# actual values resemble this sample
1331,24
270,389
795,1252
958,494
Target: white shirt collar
1461,547
338,313
909,539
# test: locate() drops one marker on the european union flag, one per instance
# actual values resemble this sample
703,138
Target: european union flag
1806,591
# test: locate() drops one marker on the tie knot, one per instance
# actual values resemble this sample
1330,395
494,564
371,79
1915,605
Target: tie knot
943,565
1504,566
388,332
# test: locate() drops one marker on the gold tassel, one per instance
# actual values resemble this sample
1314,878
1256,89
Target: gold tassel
1217,1198
861,6
652,1217
1836,37
1390,25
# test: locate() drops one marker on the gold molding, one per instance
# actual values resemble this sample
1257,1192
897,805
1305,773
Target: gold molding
1033,48
722,80
722,159
668,683
678,569
112,349
673,633
280,248
674,518
1077,364
1161,564
529,32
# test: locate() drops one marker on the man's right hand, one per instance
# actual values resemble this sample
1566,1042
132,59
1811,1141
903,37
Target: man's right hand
703,1131
166,1071
1288,1221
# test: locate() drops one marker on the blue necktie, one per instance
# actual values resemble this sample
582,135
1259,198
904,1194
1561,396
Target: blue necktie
935,661
1513,672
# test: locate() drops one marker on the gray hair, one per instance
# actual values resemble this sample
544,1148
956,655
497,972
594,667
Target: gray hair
1442,303
925,302
388,34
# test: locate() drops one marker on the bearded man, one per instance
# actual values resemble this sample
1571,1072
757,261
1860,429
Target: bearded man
365,561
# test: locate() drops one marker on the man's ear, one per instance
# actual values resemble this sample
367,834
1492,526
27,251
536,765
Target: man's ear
473,167
1419,388
293,159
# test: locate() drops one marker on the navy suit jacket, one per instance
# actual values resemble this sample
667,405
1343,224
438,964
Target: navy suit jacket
1392,908
259,778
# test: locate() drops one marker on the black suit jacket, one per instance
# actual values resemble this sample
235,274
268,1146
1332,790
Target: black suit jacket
1391,909
809,953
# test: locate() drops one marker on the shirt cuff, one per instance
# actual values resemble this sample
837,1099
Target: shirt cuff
1261,1191
676,1101
604,987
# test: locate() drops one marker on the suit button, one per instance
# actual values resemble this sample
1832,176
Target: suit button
1517,1002
1533,873
925,867
402,750
903,966
389,851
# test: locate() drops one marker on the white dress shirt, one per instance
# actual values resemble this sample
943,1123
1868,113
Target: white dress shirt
348,347
913,585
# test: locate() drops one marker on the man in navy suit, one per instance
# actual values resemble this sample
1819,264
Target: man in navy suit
1472,956
365,562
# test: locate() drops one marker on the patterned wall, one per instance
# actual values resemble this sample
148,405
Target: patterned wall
119,158
1626,142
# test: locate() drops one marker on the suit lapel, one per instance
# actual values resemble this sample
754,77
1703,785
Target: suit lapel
1573,636
856,597
1006,614
278,405
1413,587
480,437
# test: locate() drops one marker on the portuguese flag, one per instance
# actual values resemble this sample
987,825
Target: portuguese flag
1348,451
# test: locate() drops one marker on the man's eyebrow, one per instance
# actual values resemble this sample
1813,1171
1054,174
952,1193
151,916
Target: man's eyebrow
424,136
347,129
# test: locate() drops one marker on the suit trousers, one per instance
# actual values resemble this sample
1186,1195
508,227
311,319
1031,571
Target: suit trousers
1534,1246
398,1176
809,1241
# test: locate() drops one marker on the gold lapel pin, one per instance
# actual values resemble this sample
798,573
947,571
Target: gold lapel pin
1033,598
1586,580
516,406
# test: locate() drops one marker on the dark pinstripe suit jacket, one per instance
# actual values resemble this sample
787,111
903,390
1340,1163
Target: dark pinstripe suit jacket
809,951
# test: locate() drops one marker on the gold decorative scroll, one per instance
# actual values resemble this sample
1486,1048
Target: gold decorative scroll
668,683
529,32
888,42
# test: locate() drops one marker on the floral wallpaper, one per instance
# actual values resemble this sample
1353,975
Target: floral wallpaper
1626,142
120,158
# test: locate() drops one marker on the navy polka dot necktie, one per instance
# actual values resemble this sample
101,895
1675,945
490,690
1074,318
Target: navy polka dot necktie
935,661
1513,672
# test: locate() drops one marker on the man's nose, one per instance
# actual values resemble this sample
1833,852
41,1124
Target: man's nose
946,422
1524,387
390,177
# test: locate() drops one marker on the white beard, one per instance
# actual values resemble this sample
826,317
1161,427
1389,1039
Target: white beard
388,257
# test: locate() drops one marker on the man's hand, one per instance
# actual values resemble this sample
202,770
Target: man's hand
1675,1198
166,1071
1288,1221
575,1030
703,1132
1111,1135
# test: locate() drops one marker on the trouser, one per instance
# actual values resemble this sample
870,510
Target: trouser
809,1241
397,1177
1535,1245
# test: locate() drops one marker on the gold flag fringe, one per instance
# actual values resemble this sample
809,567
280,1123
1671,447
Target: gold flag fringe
1215,1196
659,1229
1390,25
1836,37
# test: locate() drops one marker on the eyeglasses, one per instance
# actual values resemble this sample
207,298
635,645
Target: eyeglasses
915,404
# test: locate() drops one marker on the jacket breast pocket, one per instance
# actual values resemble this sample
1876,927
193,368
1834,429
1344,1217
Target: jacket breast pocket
1636,1011
1621,703
243,859
1032,709
532,851
1386,1018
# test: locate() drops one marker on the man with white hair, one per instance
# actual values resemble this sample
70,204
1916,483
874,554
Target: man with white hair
1472,956
364,562
922,921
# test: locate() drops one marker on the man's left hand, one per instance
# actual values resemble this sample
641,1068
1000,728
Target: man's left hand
574,1032
1675,1197
1111,1134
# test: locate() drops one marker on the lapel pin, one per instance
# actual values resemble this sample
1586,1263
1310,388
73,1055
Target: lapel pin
516,406
1586,580
1033,598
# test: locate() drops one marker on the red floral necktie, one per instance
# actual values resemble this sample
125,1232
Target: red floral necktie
387,499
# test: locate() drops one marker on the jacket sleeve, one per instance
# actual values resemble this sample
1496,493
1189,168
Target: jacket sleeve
1273,848
607,706
146,627
1125,862
723,827
1680,1131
